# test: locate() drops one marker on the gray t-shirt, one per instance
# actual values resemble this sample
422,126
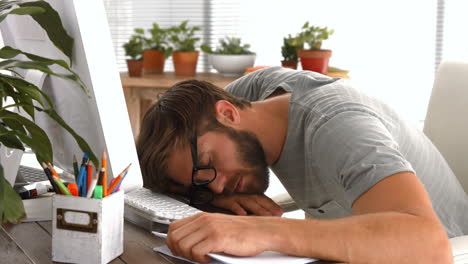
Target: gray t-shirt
341,142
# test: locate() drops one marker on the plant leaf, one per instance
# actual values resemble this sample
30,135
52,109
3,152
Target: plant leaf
35,137
11,205
9,140
79,140
23,11
27,88
38,63
50,21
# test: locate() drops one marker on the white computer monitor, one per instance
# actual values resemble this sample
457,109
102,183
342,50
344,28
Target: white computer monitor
101,120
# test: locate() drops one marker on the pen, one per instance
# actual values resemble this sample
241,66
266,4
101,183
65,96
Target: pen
82,175
98,192
75,168
51,178
104,176
161,235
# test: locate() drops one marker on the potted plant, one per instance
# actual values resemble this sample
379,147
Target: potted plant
156,48
289,51
314,58
18,131
134,49
231,58
184,55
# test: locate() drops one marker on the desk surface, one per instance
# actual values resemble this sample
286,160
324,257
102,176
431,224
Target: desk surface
32,243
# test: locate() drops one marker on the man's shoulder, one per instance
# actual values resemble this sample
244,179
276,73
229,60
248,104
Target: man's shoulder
259,84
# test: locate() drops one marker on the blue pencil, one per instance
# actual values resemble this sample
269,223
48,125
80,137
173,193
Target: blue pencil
120,182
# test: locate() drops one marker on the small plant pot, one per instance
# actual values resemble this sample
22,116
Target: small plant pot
153,61
315,60
135,68
289,64
185,62
231,65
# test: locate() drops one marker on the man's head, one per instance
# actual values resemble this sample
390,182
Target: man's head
197,108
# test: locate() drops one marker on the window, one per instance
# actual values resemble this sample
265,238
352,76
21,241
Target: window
388,46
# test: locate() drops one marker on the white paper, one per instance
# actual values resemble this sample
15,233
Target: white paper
267,257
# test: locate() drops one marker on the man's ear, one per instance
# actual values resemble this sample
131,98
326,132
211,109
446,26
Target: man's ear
226,113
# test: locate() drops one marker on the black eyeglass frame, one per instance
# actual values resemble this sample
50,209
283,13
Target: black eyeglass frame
199,187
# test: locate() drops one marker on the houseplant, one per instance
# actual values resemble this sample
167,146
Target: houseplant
314,58
134,49
184,55
156,48
18,131
289,51
231,58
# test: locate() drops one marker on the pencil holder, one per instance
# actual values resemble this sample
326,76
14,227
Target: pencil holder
86,230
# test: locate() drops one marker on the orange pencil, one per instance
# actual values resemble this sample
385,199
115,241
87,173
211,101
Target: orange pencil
117,180
54,172
104,176
90,176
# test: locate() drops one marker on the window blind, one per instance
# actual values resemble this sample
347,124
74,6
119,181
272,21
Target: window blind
126,15
216,19
453,41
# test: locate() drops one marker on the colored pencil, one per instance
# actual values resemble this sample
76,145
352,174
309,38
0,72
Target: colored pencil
89,178
51,178
104,176
51,168
75,168
93,184
117,180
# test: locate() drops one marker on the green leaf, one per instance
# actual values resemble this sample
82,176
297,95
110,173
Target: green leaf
11,205
9,139
23,11
26,88
79,140
39,63
50,21
35,137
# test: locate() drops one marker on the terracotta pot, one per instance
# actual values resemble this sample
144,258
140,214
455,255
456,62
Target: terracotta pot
185,62
315,60
153,61
289,64
135,68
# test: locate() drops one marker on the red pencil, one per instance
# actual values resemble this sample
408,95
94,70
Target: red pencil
90,176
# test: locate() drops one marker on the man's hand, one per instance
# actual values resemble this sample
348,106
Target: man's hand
240,204
196,236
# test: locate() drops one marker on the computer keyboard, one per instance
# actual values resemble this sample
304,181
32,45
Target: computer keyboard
30,174
158,207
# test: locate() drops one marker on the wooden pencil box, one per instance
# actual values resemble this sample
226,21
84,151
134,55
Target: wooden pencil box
86,230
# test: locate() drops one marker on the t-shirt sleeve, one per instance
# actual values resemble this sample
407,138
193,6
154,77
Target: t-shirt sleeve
357,150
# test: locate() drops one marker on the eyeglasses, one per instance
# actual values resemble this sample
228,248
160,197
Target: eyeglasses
201,177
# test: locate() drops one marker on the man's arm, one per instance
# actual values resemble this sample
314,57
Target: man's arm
394,223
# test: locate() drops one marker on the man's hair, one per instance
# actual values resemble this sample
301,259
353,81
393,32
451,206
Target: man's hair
185,110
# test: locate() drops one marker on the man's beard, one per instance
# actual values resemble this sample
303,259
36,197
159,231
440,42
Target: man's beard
252,155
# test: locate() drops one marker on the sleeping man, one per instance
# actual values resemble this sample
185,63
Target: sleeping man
374,188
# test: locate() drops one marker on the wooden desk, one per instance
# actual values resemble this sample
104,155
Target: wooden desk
32,243
142,92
